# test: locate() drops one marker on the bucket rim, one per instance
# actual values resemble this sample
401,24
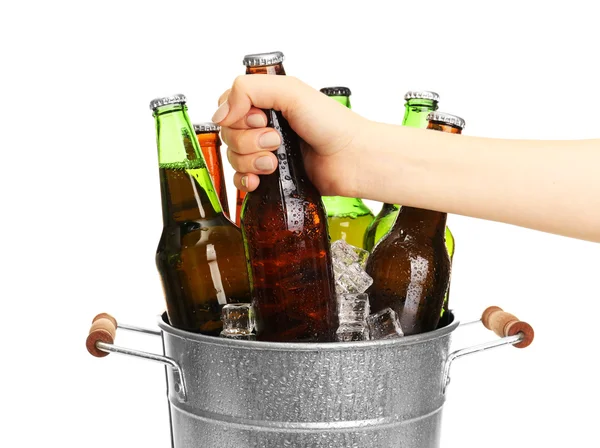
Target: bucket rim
309,346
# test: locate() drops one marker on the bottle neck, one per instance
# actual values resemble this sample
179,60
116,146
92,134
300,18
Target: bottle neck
416,111
209,139
415,222
290,168
343,100
185,181
444,127
276,69
210,144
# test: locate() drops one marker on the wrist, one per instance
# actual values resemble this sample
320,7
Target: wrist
351,178
379,151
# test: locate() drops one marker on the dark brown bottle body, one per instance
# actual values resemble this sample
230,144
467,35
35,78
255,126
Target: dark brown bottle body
201,260
284,224
410,268
200,255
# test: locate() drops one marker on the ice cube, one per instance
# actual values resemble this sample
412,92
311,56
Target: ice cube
352,332
353,308
348,254
384,325
350,279
238,321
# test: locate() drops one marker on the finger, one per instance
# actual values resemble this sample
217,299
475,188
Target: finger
223,97
246,181
256,118
264,92
260,163
251,140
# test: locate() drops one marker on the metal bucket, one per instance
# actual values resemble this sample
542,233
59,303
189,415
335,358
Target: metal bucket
232,393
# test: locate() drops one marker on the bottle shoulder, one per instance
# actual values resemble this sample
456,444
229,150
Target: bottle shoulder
341,207
219,224
405,246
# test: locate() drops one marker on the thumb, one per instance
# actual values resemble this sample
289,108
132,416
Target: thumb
318,119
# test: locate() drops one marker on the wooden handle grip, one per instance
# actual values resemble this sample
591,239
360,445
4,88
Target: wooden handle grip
104,329
505,324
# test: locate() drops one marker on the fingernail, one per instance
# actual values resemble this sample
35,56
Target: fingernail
221,112
244,181
264,163
256,121
269,140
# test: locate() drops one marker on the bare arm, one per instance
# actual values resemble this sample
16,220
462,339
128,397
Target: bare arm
550,186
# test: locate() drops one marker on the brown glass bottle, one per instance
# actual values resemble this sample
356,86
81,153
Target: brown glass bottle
410,266
284,224
200,255
210,144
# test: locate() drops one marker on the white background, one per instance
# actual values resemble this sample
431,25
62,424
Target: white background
81,205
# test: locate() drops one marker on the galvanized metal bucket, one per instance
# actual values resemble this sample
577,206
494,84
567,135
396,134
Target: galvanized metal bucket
234,393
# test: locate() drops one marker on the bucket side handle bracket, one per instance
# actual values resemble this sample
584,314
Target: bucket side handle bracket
100,342
511,330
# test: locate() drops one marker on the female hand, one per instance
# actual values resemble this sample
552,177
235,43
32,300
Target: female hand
331,132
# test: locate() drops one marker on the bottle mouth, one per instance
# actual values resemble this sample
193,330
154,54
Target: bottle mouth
263,59
200,128
447,119
167,100
421,94
421,102
336,91
168,108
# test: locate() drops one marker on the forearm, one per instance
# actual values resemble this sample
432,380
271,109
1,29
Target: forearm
550,186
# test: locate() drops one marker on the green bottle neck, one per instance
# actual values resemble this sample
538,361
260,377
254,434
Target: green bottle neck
416,111
179,152
343,100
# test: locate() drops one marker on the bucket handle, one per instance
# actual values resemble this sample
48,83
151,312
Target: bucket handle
510,329
100,342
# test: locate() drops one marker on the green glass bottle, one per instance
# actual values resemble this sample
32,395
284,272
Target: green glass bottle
417,105
200,255
347,218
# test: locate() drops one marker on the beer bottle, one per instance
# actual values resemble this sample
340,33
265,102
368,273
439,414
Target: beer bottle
418,104
210,144
348,218
410,267
416,107
200,255
285,234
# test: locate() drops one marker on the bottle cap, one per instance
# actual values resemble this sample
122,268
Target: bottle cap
443,117
166,100
421,94
336,91
263,59
208,126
